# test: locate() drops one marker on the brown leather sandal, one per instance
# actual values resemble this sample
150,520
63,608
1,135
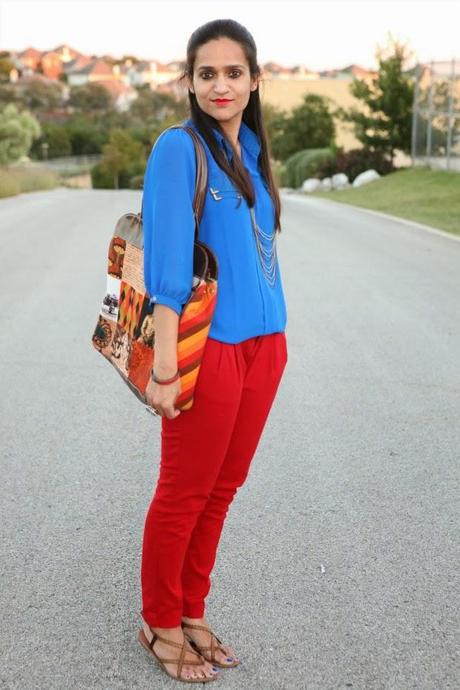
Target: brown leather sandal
142,638
212,647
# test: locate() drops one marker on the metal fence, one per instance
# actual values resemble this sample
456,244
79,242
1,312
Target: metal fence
436,115
70,163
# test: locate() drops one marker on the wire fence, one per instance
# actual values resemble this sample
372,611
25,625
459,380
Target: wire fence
436,115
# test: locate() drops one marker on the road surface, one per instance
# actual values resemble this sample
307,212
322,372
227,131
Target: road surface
337,562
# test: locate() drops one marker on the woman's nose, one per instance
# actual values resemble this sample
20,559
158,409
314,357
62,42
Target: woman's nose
221,85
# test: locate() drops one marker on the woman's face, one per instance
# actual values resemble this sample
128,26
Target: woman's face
221,71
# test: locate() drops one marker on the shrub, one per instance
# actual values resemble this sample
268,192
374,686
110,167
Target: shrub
304,164
102,179
122,159
354,162
58,140
136,182
86,138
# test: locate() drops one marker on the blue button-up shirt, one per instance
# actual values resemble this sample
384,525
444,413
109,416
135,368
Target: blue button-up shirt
247,305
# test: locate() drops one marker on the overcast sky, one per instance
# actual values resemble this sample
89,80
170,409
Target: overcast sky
320,34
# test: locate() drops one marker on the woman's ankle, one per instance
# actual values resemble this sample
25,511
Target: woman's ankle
160,629
194,618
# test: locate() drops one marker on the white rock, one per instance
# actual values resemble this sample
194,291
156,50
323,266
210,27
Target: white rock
326,184
311,185
365,177
340,180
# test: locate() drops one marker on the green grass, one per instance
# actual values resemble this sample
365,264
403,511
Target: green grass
420,194
17,179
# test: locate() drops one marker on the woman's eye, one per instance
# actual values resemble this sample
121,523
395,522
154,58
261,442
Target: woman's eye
235,73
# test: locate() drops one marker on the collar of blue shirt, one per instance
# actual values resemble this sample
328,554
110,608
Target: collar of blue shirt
247,137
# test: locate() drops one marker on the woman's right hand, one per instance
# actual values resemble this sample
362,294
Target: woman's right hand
162,397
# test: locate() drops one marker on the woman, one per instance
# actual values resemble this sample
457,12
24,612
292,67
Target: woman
206,450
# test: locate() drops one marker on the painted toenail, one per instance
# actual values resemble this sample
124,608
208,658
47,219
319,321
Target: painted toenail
229,658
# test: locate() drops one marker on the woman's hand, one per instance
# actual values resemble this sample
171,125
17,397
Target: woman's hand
162,397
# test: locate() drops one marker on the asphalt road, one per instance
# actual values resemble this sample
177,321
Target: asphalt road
337,562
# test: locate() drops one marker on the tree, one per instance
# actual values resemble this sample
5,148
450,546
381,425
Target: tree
90,98
122,155
40,96
151,105
388,97
6,65
7,94
57,139
274,120
85,136
310,125
17,131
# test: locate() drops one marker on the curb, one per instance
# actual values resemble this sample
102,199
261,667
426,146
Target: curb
404,221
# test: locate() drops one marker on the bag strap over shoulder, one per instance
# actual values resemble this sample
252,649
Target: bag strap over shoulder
201,176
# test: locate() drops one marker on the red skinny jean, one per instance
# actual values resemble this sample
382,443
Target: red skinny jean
206,452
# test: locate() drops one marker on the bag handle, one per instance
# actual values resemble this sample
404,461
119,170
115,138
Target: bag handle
201,176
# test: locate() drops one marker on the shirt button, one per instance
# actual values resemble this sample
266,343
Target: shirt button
154,298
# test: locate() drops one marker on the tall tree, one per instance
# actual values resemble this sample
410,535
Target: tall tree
121,154
153,105
308,126
17,132
386,123
90,98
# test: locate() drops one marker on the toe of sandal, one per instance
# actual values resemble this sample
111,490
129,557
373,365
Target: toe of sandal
162,661
210,649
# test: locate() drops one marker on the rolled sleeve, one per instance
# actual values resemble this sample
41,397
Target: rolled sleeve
168,220
168,301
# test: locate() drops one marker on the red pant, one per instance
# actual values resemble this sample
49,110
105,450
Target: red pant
205,456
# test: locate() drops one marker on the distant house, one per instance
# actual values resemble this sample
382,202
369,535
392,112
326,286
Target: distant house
351,71
66,53
302,72
95,70
122,94
174,88
51,65
275,71
112,78
76,64
30,57
153,73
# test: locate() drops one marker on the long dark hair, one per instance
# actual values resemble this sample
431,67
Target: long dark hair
252,114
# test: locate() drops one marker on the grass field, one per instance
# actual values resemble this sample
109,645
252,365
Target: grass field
18,179
426,196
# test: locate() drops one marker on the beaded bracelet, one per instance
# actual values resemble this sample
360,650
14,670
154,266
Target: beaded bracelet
164,382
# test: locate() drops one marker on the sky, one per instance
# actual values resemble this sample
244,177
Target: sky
321,34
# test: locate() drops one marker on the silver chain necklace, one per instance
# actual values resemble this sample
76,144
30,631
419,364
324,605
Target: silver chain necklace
267,256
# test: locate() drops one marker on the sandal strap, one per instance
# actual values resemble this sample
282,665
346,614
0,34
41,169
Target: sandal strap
201,627
156,636
195,662
180,660
204,648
